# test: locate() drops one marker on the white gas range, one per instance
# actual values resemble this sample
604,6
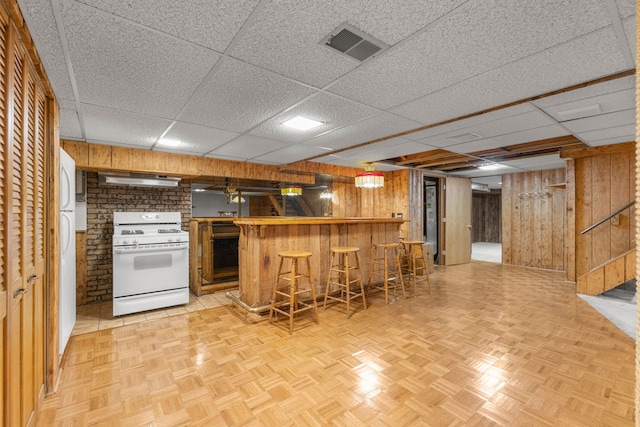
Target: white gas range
150,261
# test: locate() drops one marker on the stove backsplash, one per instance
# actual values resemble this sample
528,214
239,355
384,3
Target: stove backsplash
102,201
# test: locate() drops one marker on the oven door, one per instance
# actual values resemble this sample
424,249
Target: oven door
140,270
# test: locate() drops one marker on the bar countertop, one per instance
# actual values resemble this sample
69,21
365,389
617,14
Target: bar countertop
313,220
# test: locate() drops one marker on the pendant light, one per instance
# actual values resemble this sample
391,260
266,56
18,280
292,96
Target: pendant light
292,190
369,178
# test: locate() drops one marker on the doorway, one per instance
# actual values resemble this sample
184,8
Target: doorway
431,214
486,226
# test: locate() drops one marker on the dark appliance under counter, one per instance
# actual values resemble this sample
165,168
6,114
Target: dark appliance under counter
214,262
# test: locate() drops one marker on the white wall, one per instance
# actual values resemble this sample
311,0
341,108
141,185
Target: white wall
209,203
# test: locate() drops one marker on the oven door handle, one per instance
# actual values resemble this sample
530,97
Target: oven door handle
140,250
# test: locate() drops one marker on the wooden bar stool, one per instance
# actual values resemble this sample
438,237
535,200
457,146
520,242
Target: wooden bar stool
286,297
340,275
388,267
416,261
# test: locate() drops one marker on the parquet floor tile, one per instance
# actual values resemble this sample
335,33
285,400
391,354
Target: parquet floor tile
491,345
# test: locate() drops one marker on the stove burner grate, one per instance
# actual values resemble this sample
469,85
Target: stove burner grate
126,232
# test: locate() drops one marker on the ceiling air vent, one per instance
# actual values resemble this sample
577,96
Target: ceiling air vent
350,41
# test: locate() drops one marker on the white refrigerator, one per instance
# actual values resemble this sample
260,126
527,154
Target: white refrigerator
67,248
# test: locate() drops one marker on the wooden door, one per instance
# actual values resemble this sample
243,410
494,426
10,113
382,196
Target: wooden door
457,221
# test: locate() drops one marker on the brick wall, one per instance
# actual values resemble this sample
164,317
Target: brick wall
102,201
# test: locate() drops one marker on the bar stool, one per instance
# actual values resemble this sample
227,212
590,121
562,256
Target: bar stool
415,261
380,267
290,303
340,276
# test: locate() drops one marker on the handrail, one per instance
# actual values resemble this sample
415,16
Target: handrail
608,217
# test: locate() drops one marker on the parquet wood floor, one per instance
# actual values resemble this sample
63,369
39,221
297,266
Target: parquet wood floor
491,345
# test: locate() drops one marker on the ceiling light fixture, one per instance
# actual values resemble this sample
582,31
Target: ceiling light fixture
490,166
236,200
169,142
293,190
370,178
326,194
302,123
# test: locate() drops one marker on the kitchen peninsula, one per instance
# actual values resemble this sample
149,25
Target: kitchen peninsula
262,238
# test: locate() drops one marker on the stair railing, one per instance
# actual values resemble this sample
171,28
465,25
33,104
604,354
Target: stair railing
608,217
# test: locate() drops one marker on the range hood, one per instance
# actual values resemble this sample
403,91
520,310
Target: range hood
137,180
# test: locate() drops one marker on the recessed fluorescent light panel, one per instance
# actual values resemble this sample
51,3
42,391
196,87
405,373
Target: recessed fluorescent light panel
580,112
169,142
490,166
302,123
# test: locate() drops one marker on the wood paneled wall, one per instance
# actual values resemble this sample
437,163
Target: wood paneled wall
533,219
393,198
604,182
486,217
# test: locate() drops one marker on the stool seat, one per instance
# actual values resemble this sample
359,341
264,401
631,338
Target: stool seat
414,254
340,276
294,254
344,249
388,267
286,298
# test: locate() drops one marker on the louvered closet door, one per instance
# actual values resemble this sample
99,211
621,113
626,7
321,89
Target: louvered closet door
26,314
3,217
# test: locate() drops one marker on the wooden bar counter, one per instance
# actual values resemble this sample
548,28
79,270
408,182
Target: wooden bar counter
262,238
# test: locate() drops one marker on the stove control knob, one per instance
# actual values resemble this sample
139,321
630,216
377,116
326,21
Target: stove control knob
178,239
170,239
125,242
135,242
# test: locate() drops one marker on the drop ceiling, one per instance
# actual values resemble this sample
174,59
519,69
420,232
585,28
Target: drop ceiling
462,82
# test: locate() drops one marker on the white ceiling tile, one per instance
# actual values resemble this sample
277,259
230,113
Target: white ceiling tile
247,147
333,111
478,173
626,8
629,26
626,133
624,86
613,101
121,65
477,38
70,124
240,96
577,61
612,140
290,154
514,138
551,161
602,121
487,131
45,35
284,38
480,119
211,23
388,149
198,139
363,131
122,128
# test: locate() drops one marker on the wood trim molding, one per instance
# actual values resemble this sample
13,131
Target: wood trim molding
579,153
626,73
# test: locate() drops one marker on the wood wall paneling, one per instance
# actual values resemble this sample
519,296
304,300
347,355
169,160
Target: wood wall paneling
81,267
486,217
604,184
533,225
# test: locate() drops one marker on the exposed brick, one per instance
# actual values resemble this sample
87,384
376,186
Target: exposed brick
102,202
